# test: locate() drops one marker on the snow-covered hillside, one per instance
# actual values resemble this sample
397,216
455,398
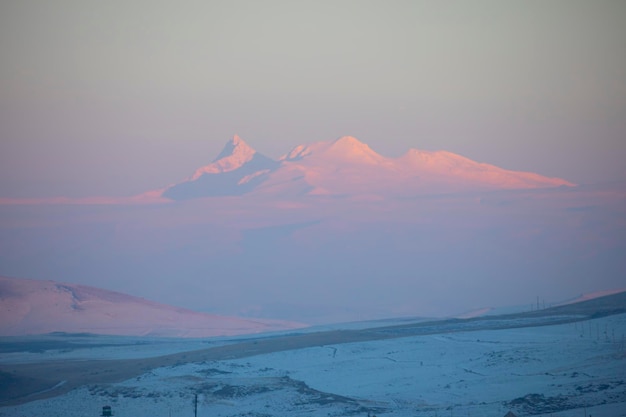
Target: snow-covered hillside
567,370
36,307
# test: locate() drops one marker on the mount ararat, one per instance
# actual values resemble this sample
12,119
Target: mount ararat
343,167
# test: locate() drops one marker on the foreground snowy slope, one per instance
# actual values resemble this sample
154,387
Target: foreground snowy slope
459,367
559,370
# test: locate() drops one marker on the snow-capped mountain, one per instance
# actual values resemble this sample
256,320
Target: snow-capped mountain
237,170
30,306
347,166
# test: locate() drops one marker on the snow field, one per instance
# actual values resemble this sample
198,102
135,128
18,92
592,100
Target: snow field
579,367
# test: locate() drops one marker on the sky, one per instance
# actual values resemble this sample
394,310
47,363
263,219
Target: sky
117,98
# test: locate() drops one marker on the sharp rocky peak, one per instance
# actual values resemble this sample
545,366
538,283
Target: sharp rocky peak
235,146
235,154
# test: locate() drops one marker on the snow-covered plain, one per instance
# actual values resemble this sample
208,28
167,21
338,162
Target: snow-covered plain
574,369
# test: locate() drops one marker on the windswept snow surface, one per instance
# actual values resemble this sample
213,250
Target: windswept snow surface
573,369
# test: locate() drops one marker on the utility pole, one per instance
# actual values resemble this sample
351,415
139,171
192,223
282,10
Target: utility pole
195,406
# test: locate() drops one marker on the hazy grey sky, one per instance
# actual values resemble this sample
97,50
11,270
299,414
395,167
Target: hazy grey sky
118,97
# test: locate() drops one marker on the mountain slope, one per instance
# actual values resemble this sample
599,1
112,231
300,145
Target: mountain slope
443,166
35,307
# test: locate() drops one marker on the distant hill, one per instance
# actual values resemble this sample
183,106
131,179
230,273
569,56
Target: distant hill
30,306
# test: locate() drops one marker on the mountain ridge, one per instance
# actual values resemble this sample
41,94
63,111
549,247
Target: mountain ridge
347,166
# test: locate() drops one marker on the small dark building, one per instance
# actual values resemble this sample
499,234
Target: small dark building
106,411
510,414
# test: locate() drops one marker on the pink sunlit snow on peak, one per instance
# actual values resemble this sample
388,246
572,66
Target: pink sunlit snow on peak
346,149
450,166
234,155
